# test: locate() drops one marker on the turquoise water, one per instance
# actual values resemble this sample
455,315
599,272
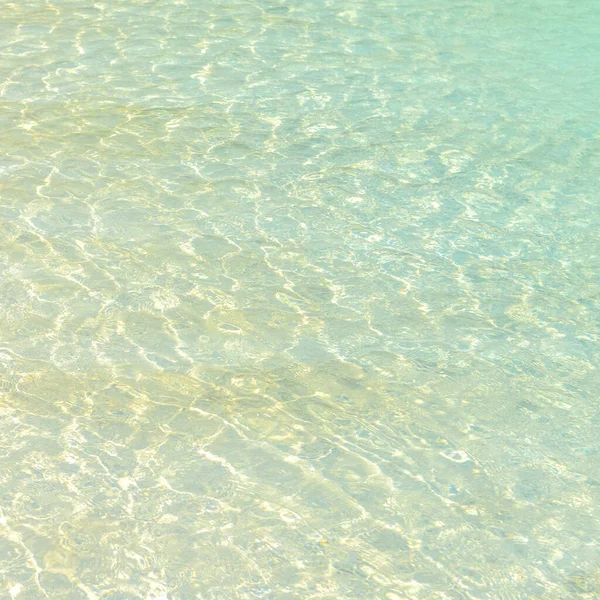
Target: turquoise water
299,300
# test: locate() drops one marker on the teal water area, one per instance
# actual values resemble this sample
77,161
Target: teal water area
299,300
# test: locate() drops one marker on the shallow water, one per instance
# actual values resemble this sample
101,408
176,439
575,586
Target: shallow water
299,300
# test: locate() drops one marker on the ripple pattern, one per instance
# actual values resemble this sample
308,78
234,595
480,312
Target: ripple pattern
299,300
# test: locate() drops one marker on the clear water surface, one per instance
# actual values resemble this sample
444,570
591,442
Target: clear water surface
299,299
